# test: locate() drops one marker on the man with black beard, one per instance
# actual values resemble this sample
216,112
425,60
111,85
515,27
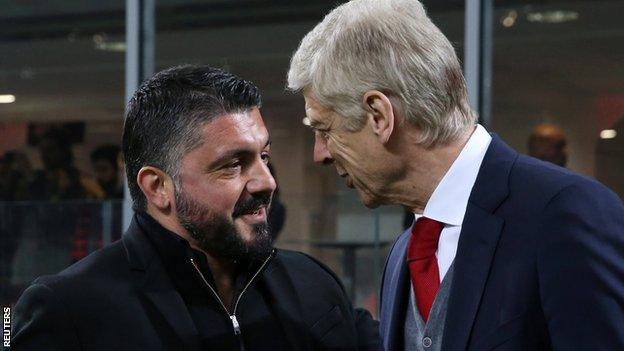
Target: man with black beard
219,235
196,269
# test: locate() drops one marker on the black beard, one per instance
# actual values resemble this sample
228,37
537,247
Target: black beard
218,236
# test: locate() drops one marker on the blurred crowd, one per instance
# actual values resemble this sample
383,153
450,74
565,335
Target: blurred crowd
59,179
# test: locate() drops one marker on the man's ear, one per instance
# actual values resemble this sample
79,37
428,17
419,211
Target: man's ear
157,187
379,114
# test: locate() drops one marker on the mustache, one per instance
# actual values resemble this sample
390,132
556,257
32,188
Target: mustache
252,204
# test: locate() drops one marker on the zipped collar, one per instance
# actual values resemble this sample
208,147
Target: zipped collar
175,253
215,295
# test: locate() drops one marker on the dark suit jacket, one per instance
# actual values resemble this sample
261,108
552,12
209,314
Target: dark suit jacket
120,298
539,265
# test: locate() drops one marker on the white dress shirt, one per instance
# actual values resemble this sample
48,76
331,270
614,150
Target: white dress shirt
450,198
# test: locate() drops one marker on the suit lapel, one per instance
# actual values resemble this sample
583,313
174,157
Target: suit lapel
479,237
477,244
398,294
286,306
154,283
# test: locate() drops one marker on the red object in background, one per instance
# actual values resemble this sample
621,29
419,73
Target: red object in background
12,136
607,110
83,242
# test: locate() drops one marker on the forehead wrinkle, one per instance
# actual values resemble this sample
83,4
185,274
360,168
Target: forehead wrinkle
327,122
317,114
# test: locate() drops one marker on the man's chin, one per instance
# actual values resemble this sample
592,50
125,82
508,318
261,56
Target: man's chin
252,234
246,234
371,204
368,200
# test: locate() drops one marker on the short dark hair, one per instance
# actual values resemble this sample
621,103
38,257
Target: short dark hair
165,114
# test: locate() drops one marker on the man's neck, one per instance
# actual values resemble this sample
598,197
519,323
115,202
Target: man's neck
425,169
223,271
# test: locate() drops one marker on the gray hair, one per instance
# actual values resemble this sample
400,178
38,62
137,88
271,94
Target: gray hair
390,46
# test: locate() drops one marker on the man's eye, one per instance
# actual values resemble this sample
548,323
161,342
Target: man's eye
266,157
323,134
233,164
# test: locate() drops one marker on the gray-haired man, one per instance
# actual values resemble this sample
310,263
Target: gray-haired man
507,252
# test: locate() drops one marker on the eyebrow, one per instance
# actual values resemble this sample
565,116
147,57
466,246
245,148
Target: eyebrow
308,122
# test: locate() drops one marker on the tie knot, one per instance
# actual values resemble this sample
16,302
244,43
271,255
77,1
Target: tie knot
424,240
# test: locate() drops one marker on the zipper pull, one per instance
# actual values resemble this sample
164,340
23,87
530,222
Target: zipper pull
235,324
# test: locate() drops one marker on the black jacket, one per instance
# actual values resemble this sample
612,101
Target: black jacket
121,298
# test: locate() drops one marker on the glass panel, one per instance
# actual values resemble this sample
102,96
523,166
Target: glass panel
61,98
255,39
44,237
560,63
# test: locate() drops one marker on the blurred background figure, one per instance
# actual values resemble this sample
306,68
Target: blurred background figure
105,162
14,179
548,142
59,179
64,228
277,213
8,180
15,175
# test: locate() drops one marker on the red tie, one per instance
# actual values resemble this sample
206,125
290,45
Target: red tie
423,264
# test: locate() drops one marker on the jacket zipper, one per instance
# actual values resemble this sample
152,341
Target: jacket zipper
233,319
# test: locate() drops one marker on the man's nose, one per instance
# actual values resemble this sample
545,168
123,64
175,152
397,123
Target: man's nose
261,179
321,153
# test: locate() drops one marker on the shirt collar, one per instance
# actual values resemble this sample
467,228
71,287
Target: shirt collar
450,198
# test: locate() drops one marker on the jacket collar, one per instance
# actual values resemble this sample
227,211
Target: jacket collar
139,251
395,295
152,281
479,237
492,185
